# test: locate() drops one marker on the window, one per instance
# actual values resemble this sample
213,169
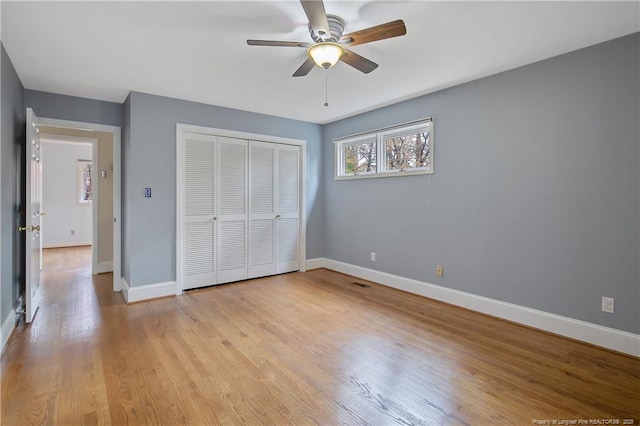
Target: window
395,151
85,184
360,157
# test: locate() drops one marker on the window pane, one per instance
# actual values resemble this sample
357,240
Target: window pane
86,182
360,158
408,151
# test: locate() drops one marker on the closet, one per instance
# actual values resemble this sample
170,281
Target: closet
239,209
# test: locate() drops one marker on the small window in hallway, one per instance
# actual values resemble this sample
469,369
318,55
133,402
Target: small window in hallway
85,184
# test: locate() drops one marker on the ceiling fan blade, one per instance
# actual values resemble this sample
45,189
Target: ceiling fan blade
317,17
278,43
379,32
305,68
358,62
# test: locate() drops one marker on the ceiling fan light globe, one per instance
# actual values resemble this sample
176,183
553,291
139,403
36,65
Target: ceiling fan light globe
325,54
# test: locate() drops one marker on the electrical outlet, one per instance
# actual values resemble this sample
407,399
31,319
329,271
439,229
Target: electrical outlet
373,256
607,304
440,271
72,232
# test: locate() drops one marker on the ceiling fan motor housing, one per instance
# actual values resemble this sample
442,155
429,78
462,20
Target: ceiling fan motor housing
336,28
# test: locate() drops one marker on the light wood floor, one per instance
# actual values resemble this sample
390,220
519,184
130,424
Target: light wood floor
302,348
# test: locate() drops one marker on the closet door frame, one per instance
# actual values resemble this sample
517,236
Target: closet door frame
182,130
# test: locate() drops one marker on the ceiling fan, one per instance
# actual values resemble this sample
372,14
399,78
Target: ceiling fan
330,45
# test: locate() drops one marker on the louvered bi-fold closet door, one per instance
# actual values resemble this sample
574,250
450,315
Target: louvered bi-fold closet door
288,206
199,226
262,205
232,209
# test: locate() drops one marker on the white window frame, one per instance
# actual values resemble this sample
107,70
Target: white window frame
381,159
357,140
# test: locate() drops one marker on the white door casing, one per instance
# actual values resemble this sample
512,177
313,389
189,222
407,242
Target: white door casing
33,219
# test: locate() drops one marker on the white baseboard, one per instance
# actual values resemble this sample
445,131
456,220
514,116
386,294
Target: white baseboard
606,337
7,328
103,267
62,245
316,263
146,292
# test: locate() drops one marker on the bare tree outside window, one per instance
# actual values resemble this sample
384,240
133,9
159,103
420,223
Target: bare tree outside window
360,158
85,184
400,150
408,151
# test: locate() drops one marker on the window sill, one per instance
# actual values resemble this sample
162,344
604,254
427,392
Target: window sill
386,174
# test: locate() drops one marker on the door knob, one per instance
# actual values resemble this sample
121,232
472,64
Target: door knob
215,218
43,213
29,228
277,216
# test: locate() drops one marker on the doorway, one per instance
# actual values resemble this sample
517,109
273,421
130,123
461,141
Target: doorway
70,198
106,199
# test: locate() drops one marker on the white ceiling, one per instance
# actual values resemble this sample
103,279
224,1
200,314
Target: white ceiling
197,50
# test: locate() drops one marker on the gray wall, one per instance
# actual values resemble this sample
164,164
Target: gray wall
72,108
535,196
150,160
12,140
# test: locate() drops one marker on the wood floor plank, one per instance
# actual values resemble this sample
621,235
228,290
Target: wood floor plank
294,349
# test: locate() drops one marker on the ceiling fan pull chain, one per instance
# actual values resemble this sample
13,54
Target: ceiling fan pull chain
326,87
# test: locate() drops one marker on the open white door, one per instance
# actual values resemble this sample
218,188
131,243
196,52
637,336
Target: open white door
33,201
